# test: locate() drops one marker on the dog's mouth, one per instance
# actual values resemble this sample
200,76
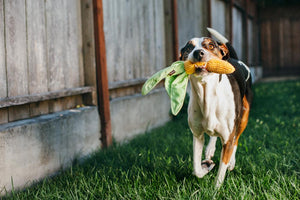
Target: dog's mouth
200,71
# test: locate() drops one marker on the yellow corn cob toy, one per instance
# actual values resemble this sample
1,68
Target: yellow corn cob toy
214,65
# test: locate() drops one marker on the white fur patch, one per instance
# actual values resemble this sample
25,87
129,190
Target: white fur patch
211,107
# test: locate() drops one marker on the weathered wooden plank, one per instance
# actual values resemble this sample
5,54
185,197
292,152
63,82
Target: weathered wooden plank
264,43
191,25
3,116
56,49
73,41
88,49
73,44
17,73
219,16
56,26
3,85
140,33
250,42
3,88
37,54
137,62
275,51
237,26
295,35
268,47
159,51
79,43
128,83
286,40
168,31
25,99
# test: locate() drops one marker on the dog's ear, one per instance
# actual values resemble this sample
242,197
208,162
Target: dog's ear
224,51
184,52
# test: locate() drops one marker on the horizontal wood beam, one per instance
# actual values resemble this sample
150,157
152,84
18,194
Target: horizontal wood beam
127,83
33,98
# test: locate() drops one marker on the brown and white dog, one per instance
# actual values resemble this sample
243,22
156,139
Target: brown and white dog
219,103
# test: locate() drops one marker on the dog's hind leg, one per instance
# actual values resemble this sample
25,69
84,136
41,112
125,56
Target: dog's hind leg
243,124
210,148
226,154
198,143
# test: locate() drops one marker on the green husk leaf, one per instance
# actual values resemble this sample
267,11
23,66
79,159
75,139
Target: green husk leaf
178,67
178,92
175,84
168,84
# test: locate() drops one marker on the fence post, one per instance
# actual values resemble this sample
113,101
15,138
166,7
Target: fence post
101,74
175,30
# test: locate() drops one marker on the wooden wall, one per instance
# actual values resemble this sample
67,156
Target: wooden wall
280,43
42,66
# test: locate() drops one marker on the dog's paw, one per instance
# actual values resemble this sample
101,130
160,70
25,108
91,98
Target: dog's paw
201,173
207,165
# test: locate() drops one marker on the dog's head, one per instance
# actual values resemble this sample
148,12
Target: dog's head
202,50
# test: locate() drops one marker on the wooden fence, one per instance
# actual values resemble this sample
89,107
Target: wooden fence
47,58
139,35
280,37
42,65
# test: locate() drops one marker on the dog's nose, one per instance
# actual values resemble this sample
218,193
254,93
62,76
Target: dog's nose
198,54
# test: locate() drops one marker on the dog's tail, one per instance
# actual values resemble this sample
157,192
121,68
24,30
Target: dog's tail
222,39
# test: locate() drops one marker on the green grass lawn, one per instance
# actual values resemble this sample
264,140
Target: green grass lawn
158,164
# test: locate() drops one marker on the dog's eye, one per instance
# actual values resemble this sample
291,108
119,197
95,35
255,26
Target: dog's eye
211,46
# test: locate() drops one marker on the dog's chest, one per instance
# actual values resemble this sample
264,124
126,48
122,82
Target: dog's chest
212,106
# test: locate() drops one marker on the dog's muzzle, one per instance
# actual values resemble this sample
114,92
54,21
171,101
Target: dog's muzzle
198,55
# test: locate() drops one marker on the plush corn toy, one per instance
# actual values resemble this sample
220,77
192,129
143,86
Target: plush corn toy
213,65
176,79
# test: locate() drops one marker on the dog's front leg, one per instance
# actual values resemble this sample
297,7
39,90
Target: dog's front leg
198,143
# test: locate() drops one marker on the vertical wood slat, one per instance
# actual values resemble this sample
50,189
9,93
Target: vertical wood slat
3,85
295,35
218,13
73,44
191,25
16,57
37,54
73,48
55,28
245,32
175,30
88,50
237,41
168,31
